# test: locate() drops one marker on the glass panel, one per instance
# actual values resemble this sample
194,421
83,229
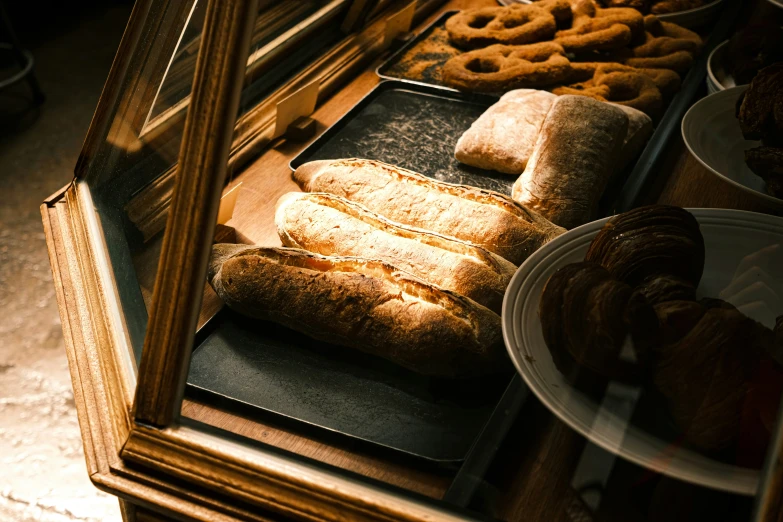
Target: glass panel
623,402
129,169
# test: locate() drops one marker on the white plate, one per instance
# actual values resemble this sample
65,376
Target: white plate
778,3
718,78
690,18
729,236
712,134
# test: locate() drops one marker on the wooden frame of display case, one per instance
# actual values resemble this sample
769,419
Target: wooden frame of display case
161,466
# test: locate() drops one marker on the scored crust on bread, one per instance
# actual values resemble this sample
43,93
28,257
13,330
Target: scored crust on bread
481,217
574,157
503,138
331,225
363,304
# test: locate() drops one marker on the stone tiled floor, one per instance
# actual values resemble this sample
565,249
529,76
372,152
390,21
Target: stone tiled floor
43,475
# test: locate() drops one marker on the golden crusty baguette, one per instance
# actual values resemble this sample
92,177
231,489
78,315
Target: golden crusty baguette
331,225
364,304
481,217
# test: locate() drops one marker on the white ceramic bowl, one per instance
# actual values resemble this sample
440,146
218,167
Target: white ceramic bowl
718,78
730,237
712,134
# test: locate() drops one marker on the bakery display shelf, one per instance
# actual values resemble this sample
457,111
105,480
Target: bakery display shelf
630,185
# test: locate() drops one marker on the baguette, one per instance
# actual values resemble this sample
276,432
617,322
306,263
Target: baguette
573,160
331,225
481,217
363,304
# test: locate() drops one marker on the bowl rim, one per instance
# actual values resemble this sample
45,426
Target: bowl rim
689,115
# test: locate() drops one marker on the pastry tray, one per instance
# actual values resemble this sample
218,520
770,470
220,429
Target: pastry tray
629,187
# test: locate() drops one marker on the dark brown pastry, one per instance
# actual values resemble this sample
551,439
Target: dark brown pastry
756,46
705,367
662,288
586,316
642,6
761,112
649,241
767,163
666,46
675,6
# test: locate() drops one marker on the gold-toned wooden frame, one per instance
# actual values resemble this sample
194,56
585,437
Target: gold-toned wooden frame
136,445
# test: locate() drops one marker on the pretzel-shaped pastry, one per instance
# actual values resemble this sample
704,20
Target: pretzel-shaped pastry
666,46
500,68
596,29
513,25
621,85
668,82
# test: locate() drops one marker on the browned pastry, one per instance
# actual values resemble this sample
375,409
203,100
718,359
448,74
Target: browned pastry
560,9
363,304
668,82
662,288
761,111
501,68
767,163
649,241
706,366
586,316
666,46
626,86
675,6
597,29
572,161
642,6
512,25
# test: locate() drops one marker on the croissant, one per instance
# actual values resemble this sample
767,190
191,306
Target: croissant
705,366
662,288
650,241
586,316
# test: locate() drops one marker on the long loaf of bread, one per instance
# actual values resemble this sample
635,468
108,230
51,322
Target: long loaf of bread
481,217
367,305
573,160
331,225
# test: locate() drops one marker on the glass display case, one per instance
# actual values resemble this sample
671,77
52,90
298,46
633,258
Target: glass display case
285,295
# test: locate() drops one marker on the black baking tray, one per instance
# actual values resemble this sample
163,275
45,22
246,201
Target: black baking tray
267,370
392,69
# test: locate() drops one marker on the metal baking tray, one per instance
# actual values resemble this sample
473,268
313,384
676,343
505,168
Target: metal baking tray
276,374
417,126
394,68
629,187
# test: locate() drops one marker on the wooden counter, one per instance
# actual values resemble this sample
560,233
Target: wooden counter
532,474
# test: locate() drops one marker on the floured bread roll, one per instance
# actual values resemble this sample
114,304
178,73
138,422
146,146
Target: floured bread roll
640,128
572,161
503,138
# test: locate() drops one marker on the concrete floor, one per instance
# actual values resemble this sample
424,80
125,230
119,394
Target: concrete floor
43,475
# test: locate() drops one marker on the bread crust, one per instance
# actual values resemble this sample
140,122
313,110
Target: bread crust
364,304
573,160
481,217
503,138
331,225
